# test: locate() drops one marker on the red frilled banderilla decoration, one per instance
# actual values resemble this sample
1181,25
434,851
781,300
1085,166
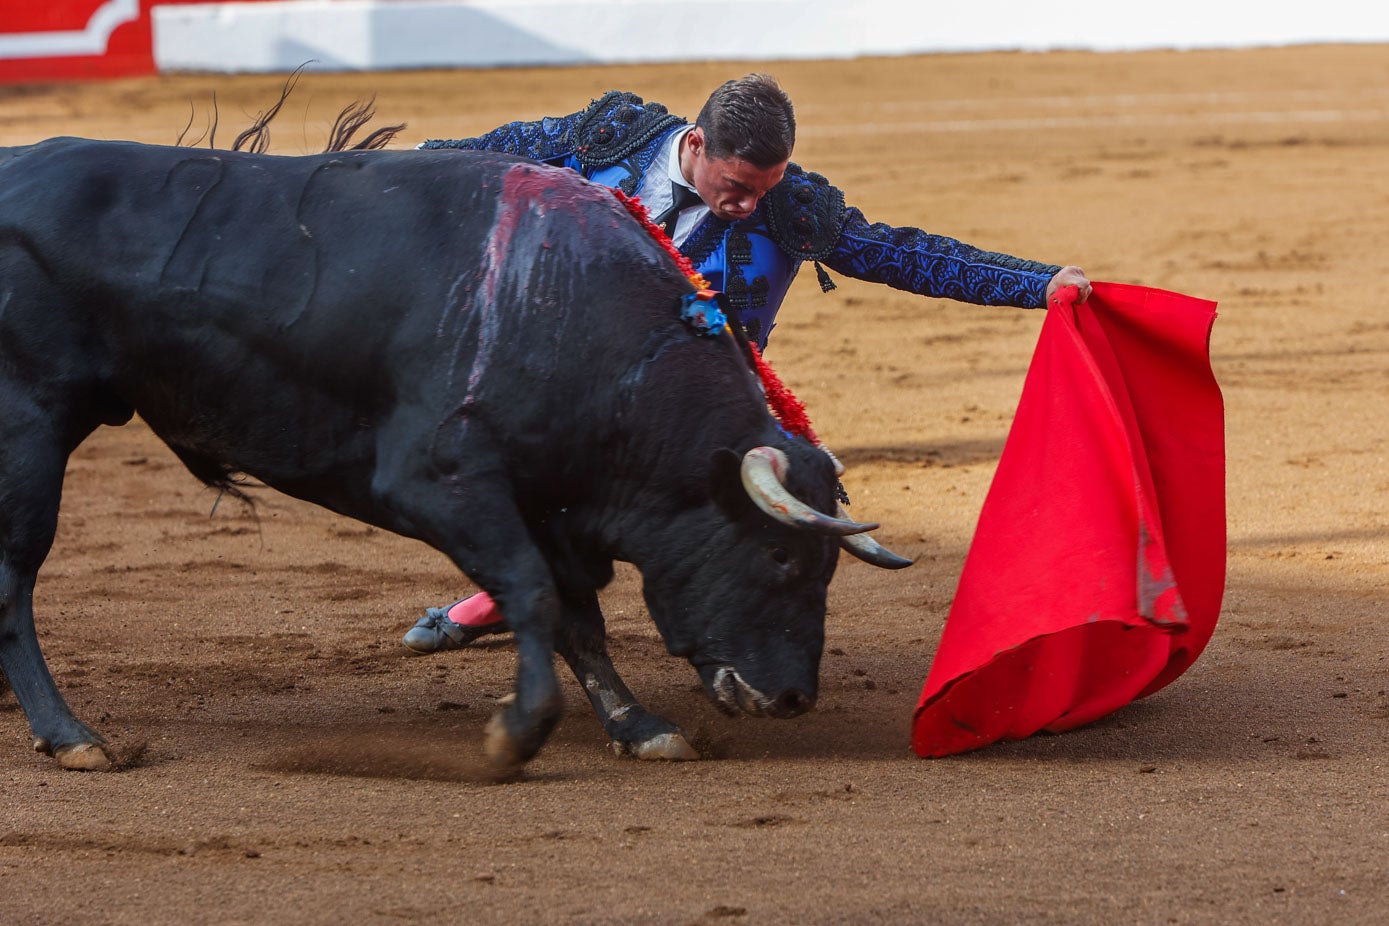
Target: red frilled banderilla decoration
783,403
1098,565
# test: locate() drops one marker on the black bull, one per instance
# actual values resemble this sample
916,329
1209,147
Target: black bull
473,351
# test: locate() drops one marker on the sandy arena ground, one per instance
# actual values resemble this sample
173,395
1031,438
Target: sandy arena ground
297,768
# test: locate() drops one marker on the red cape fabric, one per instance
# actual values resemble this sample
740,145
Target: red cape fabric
1097,569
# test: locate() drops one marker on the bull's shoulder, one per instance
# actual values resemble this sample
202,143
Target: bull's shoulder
805,214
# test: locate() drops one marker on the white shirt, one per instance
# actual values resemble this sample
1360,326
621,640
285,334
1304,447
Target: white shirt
654,191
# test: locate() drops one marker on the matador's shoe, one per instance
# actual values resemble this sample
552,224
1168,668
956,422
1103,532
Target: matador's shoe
441,628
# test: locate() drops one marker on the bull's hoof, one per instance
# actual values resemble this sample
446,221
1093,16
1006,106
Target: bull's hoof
668,747
503,755
82,757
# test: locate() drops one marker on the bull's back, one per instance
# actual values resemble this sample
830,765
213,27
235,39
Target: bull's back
182,252
212,230
255,307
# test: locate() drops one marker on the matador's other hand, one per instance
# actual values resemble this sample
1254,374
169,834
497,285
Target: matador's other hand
1069,276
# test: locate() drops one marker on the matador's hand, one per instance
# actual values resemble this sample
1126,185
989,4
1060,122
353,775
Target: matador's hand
1069,276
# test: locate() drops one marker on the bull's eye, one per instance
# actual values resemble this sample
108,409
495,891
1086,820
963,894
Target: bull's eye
780,556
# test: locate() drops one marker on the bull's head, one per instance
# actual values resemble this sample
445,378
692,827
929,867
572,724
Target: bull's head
742,591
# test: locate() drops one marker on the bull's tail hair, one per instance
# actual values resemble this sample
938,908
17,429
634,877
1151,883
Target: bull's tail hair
353,117
210,133
215,474
256,137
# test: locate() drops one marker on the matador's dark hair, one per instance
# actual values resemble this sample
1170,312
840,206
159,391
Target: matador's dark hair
749,118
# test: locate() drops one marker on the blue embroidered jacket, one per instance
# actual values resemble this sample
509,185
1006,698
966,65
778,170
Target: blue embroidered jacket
614,142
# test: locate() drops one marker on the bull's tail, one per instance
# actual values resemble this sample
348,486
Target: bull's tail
256,137
214,473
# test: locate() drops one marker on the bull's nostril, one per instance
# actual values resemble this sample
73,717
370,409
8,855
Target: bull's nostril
794,702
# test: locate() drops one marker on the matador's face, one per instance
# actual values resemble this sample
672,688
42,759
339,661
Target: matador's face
730,187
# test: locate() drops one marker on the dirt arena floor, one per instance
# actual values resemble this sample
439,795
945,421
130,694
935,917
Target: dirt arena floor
288,764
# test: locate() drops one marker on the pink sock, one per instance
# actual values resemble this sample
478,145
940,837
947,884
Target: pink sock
476,611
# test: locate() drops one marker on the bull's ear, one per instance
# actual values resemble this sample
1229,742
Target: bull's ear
726,483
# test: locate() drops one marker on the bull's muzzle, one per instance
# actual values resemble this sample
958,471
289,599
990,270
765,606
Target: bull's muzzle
733,694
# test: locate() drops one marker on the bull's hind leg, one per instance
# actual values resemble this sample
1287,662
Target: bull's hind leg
56,731
31,478
633,730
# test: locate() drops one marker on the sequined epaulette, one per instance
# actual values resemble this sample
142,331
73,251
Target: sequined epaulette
805,214
615,125
542,140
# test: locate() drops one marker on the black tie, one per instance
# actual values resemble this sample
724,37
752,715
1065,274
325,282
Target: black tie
682,197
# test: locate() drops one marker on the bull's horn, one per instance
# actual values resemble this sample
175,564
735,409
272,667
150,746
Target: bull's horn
869,550
764,472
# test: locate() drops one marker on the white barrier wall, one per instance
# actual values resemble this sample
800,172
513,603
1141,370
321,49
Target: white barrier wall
278,35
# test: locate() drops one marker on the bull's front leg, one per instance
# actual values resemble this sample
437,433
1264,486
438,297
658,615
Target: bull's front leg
517,731
633,730
469,513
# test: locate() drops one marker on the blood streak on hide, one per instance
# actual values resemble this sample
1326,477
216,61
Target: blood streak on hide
526,189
